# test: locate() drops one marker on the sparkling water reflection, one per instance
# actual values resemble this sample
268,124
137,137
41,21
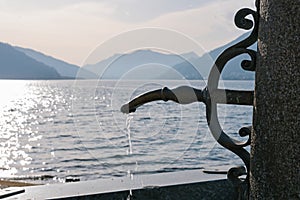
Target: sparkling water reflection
54,129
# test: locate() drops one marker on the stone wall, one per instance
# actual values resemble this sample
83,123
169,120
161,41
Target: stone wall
275,142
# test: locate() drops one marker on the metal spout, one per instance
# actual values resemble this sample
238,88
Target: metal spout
182,95
186,95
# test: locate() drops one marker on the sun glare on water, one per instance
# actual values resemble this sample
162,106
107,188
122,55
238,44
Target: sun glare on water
12,126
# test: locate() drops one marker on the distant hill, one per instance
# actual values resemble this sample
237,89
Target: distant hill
140,64
232,70
147,64
23,63
65,69
16,65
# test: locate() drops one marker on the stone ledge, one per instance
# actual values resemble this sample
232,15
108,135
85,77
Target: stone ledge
192,184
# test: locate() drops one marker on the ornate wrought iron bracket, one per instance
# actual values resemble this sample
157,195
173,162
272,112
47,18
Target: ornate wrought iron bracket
211,95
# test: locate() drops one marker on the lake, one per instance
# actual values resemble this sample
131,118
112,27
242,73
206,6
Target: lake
51,130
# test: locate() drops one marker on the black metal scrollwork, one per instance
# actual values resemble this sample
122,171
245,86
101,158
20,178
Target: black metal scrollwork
211,95
211,105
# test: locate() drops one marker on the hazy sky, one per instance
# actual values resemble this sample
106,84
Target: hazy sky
71,29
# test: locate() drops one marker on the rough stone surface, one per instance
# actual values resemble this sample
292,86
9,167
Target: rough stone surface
275,148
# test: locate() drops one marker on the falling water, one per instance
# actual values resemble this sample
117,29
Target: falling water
128,120
129,151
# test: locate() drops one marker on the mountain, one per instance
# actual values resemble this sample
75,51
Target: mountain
23,63
65,69
100,67
140,64
147,64
232,70
16,65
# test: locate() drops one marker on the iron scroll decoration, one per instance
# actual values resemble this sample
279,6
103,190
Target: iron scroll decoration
222,138
211,95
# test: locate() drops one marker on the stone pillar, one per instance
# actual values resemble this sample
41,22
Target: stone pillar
275,155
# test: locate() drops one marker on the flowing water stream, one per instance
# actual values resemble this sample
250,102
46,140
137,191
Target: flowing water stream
129,150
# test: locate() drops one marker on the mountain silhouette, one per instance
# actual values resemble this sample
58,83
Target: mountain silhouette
140,64
148,64
65,69
16,65
233,69
24,63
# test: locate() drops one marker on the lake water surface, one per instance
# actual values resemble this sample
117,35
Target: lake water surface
50,130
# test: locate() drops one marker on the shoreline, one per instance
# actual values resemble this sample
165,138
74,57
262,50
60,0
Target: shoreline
7,183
